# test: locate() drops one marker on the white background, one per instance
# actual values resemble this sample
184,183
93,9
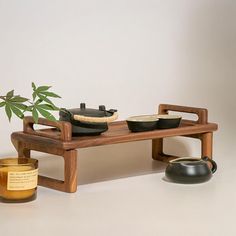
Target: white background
130,55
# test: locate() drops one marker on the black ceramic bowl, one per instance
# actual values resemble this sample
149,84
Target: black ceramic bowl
168,121
142,123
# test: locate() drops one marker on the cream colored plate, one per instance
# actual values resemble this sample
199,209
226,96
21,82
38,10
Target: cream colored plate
143,118
168,116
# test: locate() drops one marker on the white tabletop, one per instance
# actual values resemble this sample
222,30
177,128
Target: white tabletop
139,205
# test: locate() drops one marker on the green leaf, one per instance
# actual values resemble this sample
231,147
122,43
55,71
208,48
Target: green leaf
29,108
21,106
45,99
10,94
46,114
48,107
38,101
50,94
16,111
2,104
18,99
8,111
34,95
33,86
43,88
35,115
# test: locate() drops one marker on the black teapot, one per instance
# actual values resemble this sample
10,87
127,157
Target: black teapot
88,121
190,170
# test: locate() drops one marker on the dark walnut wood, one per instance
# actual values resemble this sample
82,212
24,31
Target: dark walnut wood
58,140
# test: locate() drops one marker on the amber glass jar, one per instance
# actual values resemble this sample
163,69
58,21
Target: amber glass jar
18,179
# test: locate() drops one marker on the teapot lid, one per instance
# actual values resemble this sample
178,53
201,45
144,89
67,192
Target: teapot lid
91,112
187,161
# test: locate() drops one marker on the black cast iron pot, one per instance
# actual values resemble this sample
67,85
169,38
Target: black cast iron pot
88,121
190,170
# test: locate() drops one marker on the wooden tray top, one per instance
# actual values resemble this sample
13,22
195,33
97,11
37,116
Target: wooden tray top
118,132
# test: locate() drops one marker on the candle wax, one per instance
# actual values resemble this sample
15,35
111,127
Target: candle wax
12,177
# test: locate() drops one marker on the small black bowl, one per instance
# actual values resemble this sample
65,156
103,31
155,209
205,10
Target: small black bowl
168,121
142,123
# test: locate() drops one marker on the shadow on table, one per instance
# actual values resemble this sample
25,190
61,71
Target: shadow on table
111,162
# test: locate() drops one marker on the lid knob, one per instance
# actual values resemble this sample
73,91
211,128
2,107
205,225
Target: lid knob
82,106
102,108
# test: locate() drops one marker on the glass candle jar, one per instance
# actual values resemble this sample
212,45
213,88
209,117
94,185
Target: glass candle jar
18,179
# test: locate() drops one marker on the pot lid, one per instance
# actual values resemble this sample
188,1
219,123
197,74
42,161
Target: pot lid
90,112
100,112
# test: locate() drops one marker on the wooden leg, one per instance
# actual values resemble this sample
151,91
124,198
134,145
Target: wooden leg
70,171
206,143
206,147
158,153
21,149
69,184
157,149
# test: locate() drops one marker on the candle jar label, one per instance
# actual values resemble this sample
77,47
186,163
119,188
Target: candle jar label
22,180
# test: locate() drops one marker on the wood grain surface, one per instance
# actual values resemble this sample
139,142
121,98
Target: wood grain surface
58,140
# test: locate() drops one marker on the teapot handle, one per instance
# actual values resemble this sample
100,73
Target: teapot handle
96,119
214,165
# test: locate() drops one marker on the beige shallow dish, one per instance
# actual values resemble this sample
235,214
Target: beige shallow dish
143,118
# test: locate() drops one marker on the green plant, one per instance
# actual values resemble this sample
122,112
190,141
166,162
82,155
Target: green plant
39,105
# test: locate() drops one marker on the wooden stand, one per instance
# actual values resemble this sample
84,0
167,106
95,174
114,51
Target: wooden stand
59,141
